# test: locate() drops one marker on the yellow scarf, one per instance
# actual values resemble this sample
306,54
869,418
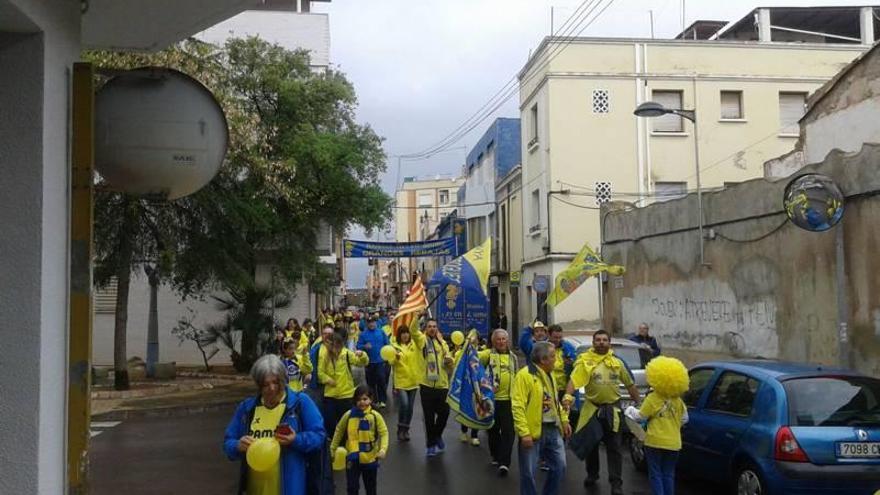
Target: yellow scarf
591,360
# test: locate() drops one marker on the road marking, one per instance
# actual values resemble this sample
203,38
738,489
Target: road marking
105,424
101,424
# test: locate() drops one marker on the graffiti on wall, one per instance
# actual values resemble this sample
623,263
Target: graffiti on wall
705,315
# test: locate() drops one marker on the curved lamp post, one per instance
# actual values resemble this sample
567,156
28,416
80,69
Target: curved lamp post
651,109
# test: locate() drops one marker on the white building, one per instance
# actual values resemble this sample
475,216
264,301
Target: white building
46,279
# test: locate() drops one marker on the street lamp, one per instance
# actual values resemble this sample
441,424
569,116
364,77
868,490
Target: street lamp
651,109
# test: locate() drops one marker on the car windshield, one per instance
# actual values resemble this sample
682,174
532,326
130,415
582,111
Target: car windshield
834,401
630,355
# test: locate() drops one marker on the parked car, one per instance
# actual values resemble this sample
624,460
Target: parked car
768,427
636,357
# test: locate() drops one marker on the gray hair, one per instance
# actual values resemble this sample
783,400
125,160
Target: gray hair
499,331
269,364
541,351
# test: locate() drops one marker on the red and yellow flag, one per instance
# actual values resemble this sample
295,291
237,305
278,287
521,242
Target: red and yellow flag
416,301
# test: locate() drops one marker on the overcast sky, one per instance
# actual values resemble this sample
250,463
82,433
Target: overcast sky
421,67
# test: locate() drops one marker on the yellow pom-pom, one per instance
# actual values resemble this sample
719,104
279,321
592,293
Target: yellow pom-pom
667,376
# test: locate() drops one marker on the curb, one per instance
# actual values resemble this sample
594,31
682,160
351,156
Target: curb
165,412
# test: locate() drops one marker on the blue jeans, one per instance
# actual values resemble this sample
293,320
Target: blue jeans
661,470
405,402
551,448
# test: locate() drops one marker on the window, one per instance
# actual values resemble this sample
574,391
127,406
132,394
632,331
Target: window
791,109
731,105
733,394
601,101
503,236
833,401
426,199
533,120
603,192
444,196
664,191
699,381
669,122
536,211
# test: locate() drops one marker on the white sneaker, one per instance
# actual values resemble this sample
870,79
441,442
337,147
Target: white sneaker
475,442
503,470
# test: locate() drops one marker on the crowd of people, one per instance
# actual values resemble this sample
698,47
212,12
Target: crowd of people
323,387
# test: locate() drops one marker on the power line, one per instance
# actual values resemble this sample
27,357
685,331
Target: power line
555,50
505,90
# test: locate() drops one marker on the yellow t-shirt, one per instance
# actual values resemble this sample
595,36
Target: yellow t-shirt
664,421
503,371
601,382
263,426
559,371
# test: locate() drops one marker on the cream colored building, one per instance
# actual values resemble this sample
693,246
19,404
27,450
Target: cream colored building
507,249
421,203
582,144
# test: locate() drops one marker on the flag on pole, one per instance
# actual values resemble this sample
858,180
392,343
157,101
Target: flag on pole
585,265
471,394
416,301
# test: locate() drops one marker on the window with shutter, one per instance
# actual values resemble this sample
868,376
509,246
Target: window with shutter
669,122
664,191
731,105
791,109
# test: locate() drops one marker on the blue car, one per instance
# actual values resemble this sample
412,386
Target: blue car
778,428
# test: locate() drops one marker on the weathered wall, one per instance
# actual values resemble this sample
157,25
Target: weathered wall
769,288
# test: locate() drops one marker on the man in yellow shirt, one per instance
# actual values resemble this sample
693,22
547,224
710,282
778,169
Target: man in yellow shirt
601,373
540,420
433,365
501,364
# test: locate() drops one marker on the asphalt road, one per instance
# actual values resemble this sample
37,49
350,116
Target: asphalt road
182,456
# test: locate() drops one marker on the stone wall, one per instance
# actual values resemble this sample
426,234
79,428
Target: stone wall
768,289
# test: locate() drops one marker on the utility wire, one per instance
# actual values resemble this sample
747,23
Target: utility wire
504,93
555,50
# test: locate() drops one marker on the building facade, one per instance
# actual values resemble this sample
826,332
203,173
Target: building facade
505,279
582,145
494,155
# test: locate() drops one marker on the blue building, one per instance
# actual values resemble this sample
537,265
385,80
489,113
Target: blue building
494,155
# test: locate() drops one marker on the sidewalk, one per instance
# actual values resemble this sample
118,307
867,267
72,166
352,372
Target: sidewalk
179,398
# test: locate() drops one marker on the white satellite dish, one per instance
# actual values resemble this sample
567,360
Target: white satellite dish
158,133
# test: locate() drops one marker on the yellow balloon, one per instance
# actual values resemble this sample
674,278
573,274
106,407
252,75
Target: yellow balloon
263,454
388,353
339,459
457,337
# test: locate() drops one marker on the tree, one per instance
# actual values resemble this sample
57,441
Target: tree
297,160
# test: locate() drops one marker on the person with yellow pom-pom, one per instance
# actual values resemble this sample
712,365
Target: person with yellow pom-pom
666,413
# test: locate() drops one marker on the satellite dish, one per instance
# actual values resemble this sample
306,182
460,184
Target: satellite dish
158,133
813,202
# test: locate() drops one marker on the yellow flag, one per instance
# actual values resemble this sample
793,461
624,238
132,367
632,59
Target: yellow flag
478,258
585,265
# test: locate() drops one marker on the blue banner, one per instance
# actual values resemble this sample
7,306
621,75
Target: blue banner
456,308
470,391
367,249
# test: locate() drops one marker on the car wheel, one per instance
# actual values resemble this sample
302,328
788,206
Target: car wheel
748,481
637,454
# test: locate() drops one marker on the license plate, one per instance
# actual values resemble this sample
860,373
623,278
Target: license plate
858,449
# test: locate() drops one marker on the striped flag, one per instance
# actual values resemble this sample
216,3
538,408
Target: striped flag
416,301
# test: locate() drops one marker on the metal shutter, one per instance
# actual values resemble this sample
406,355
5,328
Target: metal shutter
731,105
791,109
670,100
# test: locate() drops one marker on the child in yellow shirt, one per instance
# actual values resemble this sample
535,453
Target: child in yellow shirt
363,433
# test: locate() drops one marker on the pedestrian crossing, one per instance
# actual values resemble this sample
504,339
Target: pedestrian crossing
98,427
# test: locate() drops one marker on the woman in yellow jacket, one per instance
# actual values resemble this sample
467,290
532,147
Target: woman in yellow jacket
406,380
335,374
540,421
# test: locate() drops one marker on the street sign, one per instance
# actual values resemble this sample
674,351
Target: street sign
515,278
541,283
617,282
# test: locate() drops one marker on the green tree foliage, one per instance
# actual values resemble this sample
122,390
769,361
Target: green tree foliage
297,160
